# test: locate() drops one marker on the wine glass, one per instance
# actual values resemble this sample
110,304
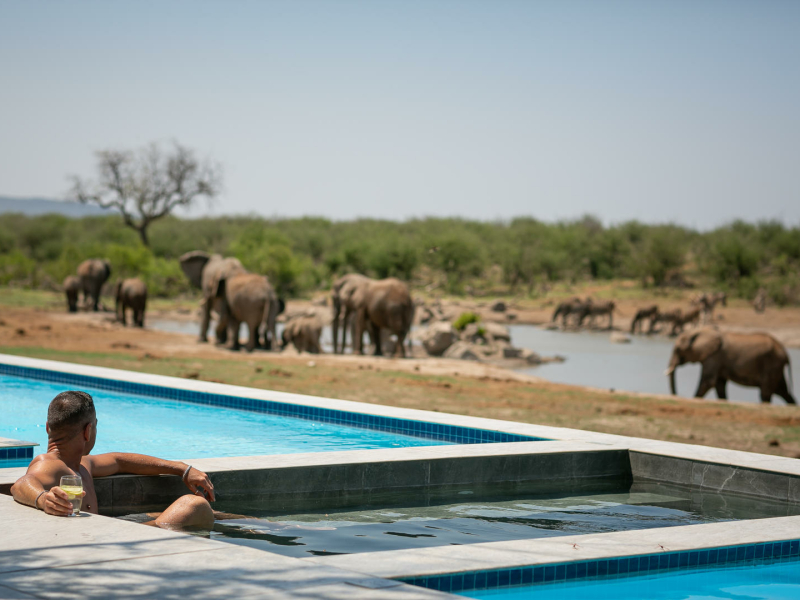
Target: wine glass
73,486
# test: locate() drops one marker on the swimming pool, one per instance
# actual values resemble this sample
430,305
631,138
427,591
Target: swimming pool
476,515
176,429
764,571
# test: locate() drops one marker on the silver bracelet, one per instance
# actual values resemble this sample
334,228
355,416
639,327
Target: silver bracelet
186,472
36,502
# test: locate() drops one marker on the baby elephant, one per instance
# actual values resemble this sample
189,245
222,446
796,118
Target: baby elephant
304,333
72,287
131,293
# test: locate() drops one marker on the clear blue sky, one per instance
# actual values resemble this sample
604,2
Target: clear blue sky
684,110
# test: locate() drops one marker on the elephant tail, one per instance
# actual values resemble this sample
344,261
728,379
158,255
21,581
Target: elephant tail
789,368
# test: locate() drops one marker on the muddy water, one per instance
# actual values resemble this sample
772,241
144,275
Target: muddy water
593,360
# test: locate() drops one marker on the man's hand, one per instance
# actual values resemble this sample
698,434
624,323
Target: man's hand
196,479
56,502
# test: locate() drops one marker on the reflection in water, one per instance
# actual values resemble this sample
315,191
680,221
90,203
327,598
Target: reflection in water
594,361
452,521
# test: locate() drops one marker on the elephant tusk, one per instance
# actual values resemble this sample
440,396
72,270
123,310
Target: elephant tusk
669,372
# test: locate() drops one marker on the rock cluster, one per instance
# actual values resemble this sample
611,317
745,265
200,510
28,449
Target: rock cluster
478,341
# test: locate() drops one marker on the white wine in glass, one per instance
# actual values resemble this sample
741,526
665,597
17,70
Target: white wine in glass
73,486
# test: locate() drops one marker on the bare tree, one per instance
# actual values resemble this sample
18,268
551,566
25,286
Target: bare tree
148,184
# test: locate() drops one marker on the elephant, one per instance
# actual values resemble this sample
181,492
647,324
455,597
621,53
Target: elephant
131,293
343,294
749,359
651,312
683,319
383,304
72,287
573,306
245,298
304,333
671,316
205,272
593,309
708,302
93,273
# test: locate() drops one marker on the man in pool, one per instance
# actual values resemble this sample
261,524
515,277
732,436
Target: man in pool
71,433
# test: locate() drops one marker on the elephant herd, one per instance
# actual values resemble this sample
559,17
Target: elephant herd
91,275
361,304
579,310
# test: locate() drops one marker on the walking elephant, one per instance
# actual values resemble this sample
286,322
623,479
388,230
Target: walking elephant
93,273
131,293
304,333
344,294
384,304
594,309
244,298
749,359
205,272
650,313
72,287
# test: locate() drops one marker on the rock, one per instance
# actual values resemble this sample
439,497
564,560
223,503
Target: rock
438,337
511,316
499,306
620,338
474,334
462,351
530,356
511,352
497,332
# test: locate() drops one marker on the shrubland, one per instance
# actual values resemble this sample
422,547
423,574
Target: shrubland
454,256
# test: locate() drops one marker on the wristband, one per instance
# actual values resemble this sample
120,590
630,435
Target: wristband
36,502
186,472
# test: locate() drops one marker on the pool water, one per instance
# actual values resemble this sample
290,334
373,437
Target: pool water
469,517
181,430
777,580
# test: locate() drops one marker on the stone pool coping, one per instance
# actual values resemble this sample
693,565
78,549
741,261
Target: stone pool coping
92,556
704,467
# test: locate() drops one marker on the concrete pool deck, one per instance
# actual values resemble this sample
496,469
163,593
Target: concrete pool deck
123,559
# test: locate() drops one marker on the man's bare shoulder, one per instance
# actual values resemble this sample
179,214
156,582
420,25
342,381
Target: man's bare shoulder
48,469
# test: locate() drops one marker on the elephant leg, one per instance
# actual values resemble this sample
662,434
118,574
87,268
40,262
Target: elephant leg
358,333
766,394
783,392
337,311
376,339
400,348
206,319
720,387
234,332
122,315
706,383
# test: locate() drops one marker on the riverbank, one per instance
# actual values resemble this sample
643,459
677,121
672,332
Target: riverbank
462,387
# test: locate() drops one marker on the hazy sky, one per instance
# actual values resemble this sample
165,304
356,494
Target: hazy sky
683,110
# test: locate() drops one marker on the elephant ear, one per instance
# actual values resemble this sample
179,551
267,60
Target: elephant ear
704,344
192,264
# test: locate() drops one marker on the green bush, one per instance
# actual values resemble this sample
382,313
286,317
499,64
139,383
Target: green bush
465,319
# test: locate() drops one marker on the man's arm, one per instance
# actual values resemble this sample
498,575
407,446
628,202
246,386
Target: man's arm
30,489
102,465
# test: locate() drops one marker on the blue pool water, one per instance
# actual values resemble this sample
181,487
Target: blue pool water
182,430
766,581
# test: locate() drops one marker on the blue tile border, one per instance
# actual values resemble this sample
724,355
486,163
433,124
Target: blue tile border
611,568
15,453
420,429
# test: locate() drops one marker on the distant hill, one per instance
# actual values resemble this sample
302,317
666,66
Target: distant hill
41,206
